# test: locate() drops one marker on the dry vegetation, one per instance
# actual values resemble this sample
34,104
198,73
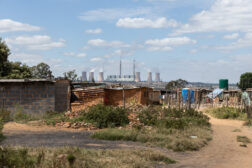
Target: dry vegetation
175,129
78,157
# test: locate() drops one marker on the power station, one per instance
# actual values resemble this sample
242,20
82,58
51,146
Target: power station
135,77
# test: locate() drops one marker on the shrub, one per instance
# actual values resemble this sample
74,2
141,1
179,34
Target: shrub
107,116
16,158
149,116
227,113
243,139
248,123
1,128
22,117
5,115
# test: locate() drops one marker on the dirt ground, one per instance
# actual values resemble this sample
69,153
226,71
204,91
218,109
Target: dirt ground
222,152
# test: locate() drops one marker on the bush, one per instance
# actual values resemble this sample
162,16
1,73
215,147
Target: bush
107,116
248,123
1,128
16,158
173,118
5,115
227,113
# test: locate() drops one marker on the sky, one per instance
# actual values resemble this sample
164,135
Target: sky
196,40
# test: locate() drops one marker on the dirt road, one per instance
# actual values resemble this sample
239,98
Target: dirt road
222,152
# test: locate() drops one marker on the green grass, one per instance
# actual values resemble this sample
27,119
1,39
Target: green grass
243,139
227,113
248,123
170,128
177,140
70,157
1,128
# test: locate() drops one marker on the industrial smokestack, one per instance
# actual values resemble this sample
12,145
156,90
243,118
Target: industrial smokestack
84,76
91,76
157,77
149,79
138,79
100,77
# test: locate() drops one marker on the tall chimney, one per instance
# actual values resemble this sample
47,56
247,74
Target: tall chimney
138,79
149,79
91,76
84,76
157,77
100,77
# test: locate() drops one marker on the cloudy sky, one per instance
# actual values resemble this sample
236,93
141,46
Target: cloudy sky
197,40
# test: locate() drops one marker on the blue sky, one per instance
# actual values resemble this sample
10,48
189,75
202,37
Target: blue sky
191,39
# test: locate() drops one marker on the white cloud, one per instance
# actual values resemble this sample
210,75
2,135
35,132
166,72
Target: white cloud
166,44
112,14
94,31
175,41
161,22
78,55
8,25
36,42
103,43
223,16
232,36
29,59
243,42
96,59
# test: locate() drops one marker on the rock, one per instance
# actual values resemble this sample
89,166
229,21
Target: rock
66,125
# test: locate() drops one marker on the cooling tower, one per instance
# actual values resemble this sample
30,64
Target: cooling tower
91,76
149,79
138,78
157,77
100,77
84,76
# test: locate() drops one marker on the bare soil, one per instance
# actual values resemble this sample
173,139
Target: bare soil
222,152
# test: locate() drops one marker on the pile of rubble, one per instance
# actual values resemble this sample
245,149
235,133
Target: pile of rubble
76,125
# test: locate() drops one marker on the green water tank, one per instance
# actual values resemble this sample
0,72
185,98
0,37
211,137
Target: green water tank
223,84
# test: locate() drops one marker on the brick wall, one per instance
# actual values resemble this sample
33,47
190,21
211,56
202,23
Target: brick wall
31,97
132,96
86,98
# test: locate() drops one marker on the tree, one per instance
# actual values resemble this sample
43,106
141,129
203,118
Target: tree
4,54
70,75
245,81
180,83
41,71
19,71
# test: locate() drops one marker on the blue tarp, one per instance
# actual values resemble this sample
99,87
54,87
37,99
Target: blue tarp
185,95
215,93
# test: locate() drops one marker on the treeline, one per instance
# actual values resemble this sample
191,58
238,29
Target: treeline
18,70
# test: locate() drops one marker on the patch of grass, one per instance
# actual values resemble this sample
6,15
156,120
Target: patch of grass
243,139
170,128
1,128
70,157
236,130
227,113
248,123
177,140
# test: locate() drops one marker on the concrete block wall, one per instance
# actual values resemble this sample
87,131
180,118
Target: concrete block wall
62,96
30,97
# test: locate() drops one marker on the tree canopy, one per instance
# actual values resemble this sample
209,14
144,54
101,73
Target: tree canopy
245,81
180,83
4,54
41,71
70,75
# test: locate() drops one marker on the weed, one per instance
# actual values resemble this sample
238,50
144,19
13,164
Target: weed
236,130
107,116
5,115
227,113
243,139
71,159
248,123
